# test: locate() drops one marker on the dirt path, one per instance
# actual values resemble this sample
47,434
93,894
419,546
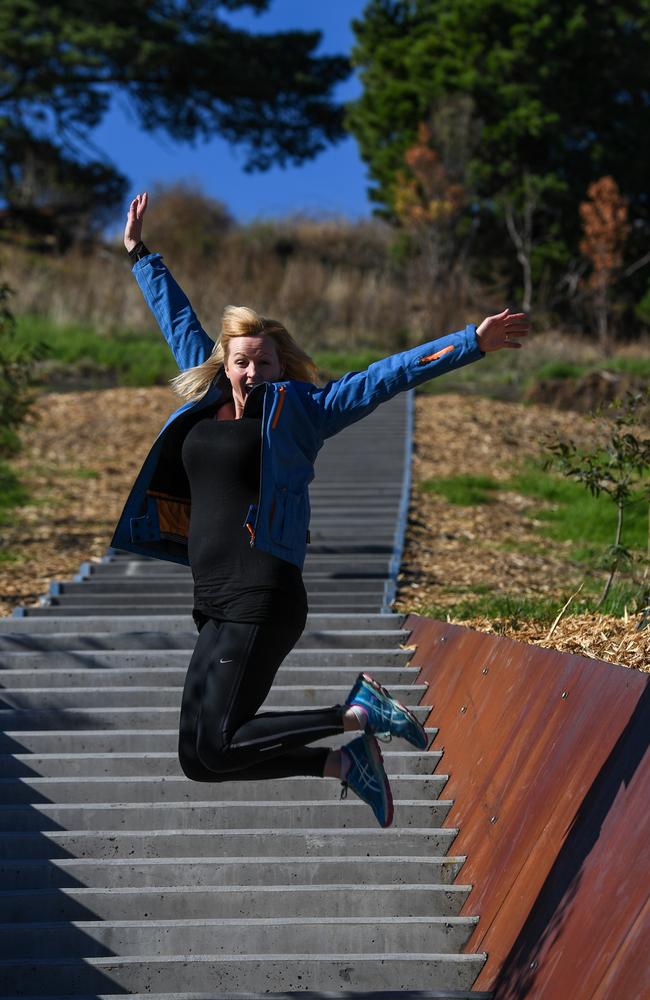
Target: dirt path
81,457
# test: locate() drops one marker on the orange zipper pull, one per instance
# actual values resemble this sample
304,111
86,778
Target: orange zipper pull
438,354
280,404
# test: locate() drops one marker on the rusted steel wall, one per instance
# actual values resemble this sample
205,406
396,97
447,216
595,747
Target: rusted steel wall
549,768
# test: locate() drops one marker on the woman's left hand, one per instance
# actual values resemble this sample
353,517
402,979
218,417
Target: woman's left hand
503,330
133,229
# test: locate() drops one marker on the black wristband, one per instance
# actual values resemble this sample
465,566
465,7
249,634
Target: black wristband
139,251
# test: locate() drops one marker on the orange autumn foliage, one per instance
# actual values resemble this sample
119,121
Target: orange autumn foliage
423,194
605,229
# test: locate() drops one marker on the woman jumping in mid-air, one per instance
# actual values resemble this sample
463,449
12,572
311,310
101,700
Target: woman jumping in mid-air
241,452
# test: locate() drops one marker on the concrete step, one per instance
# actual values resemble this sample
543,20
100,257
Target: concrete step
143,600
313,638
111,718
178,901
329,626
444,994
134,740
92,939
317,621
134,872
146,790
448,994
161,610
153,697
120,650
119,876
337,842
75,765
236,973
351,548
215,815
42,676
335,565
174,585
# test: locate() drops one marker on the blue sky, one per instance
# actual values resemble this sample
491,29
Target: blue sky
333,184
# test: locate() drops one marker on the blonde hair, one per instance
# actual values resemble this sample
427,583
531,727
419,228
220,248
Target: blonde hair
240,321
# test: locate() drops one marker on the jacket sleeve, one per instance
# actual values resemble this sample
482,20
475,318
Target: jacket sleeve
187,339
357,394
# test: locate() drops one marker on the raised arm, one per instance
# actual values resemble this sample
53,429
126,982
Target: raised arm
356,394
187,339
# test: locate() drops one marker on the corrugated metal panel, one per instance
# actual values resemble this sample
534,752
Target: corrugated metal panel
546,754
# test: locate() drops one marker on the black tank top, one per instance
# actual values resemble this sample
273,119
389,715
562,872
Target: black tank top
232,581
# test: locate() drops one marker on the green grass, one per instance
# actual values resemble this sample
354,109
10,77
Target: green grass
464,490
334,364
136,358
630,365
506,608
132,358
9,557
575,515
140,359
559,369
587,523
512,610
578,517
12,492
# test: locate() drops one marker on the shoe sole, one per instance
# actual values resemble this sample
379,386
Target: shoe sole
407,712
375,753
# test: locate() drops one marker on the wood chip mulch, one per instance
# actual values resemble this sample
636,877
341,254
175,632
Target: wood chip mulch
453,552
598,637
81,455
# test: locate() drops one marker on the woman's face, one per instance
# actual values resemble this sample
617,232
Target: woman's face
251,361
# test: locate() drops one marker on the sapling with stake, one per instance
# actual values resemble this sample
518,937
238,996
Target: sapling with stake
617,468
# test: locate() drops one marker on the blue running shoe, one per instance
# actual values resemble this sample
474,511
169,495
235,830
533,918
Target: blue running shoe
367,777
385,713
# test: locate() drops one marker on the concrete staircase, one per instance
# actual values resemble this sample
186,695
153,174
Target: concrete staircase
120,876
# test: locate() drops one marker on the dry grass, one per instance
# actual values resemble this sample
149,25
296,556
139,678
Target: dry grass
599,637
333,283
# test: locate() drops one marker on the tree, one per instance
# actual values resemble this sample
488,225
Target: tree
430,198
605,229
523,207
181,68
51,197
561,94
17,378
188,225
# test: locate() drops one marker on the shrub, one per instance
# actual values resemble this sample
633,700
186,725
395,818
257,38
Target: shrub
17,379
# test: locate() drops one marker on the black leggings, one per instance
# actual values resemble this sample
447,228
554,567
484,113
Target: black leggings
229,676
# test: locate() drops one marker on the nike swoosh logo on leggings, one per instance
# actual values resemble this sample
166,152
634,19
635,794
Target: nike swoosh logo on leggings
225,661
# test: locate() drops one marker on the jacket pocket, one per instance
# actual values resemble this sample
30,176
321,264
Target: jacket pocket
288,518
172,516
146,528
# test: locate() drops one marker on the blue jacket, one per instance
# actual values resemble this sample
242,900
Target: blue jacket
297,417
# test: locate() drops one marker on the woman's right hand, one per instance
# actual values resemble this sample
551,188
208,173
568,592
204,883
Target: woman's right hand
133,228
